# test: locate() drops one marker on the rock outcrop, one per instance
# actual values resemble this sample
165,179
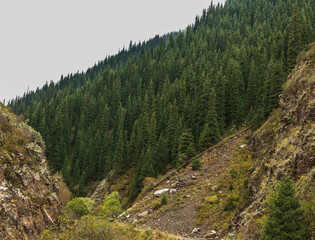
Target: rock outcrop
284,145
29,198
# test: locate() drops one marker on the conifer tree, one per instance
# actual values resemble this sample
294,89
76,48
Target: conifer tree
119,161
252,87
186,142
235,91
220,100
295,36
147,167
210,134
285,219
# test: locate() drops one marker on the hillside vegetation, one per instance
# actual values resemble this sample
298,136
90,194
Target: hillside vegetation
236,185
230,195
153,107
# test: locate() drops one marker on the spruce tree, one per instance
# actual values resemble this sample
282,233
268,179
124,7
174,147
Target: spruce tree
186,142
285,219
210,134
295,36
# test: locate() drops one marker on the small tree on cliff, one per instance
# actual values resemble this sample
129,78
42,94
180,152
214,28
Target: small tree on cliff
285,218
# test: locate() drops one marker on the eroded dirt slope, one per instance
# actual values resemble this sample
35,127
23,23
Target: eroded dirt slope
187,192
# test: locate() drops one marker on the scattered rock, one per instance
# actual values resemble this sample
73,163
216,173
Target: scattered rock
193,177
214,188
143,214
211,235
34,150
160,192
243,145
196,230
173,190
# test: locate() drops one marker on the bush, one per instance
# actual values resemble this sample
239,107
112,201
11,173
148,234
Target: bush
231,202
112,205
195,164
164,200
87,228
80,206
156,204
212,200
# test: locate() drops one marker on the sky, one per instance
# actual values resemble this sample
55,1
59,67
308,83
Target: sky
42,39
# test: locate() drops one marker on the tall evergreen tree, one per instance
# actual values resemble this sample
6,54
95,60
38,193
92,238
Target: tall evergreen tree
210,134
295,36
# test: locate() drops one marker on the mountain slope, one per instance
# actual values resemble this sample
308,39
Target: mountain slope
164,104
284,145
229,195
193,192
29,199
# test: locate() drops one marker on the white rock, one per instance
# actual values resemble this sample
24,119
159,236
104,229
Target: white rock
143,214
160,192
134,220
173,190
3,188
213,233
242,146
37,176
128,216
196,230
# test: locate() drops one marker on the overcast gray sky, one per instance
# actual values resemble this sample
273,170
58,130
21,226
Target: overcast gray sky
41,39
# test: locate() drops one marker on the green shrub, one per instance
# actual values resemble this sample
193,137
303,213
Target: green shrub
212,200
233,173
164,200
156,204
231,202
80,206
112,205
195,164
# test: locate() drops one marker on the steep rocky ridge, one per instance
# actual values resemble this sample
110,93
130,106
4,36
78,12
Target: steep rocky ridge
284,145
29,198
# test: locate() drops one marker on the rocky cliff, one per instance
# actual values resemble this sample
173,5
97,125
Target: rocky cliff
284,145
28,194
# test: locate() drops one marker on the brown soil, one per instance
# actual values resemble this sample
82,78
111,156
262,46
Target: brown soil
180,214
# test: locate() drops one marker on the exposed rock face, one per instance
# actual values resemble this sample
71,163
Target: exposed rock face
284,145
28,194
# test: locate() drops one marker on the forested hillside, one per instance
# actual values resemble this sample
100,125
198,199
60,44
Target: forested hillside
158,104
